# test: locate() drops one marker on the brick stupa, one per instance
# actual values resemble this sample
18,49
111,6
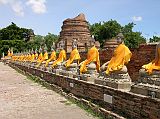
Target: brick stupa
110,44
76,28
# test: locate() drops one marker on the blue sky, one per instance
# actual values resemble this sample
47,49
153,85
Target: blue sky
45,16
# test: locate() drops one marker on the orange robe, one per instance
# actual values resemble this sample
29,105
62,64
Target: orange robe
32,58
52,57
92,56
61,58
121,56
40,57
73,56
45,57
36,56
155,64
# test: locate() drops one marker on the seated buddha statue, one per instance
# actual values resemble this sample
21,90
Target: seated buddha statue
61,57
32,56
35,55
40,57
8,54
121,56
44,57
92,63
52,56
74,58
152,68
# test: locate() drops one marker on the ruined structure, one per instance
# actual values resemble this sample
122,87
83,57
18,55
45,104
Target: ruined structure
110,44
76,28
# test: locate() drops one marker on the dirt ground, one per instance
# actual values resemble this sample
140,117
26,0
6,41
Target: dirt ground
23,99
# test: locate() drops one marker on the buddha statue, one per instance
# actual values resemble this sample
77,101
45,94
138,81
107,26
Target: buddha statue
121,56
8,57
9,52
35,55
151,71
148,83
91,66
44,58
52,56
114,71
32,56
40,57
61,58
73,61
92,60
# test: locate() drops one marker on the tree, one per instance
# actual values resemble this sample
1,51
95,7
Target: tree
49,39
42,40
107,30
154,39
13,32
132,39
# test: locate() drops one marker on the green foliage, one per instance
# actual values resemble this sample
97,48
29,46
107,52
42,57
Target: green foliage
49,39
105,30
41,40
21,45
110,29
18,45
132,39
154,39
13,32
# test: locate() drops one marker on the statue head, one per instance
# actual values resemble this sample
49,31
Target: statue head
93,41
53,47
40,49
62,44
45,48
74,44
9,50
35,50
120,38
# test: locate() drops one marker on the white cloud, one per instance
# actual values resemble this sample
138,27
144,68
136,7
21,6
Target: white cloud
137,18
18,9
16,6
3,2
38,6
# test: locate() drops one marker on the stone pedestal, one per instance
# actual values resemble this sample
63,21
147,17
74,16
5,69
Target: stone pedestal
72,70
33,64
119,80
148,85
49,67
58,69
91,73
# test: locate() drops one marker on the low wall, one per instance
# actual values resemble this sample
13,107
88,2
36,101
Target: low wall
127,104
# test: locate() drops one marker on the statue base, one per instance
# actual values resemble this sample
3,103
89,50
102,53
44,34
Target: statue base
91,74
148,85
71,71
120,81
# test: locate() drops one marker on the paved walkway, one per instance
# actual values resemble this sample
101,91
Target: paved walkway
23,99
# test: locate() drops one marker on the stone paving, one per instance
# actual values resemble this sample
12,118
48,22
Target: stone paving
22,99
